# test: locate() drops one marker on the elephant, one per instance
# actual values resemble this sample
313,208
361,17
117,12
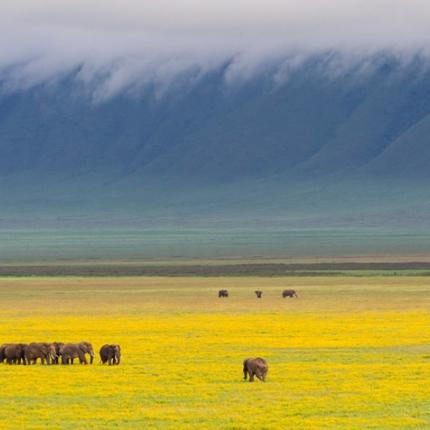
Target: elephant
289,293
259,294
110,354
2,357
14,353
45,351
70,351
255,366
57,346
222,293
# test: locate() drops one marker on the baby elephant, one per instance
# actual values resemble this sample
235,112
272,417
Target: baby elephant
255,366
110,354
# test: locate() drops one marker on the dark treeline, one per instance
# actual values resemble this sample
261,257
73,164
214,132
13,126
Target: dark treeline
248,269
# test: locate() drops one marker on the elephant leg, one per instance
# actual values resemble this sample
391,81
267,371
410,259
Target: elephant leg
258,374
82,358
245,373
251,376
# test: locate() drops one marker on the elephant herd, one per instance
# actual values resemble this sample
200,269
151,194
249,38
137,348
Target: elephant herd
51,353
259,293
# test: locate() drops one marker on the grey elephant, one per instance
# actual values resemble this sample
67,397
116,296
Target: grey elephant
57,346
2,357
289,293
14,353
110,354
70,351
255,366
39,350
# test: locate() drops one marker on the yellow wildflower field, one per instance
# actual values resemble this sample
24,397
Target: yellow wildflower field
348,353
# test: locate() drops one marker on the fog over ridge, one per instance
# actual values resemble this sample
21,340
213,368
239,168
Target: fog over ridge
118,45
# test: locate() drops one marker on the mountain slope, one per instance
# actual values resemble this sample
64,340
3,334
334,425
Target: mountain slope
319,148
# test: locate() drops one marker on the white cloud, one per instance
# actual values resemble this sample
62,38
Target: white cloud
132,42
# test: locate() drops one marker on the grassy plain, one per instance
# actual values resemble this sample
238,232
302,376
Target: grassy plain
349,353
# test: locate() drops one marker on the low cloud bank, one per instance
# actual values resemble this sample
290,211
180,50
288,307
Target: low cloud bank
117,46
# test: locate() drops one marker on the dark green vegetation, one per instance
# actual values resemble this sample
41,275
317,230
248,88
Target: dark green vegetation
219,269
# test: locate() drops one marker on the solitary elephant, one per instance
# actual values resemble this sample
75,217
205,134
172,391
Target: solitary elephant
14,353
45,351
110,354
70,351
259,294
222,293
289,293
255,366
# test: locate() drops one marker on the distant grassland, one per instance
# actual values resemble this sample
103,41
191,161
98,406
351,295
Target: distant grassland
265,240
349,353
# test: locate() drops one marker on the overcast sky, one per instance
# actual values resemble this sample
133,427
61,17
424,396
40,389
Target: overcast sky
154,40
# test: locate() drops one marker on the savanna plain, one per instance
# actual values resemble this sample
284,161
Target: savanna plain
348,353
